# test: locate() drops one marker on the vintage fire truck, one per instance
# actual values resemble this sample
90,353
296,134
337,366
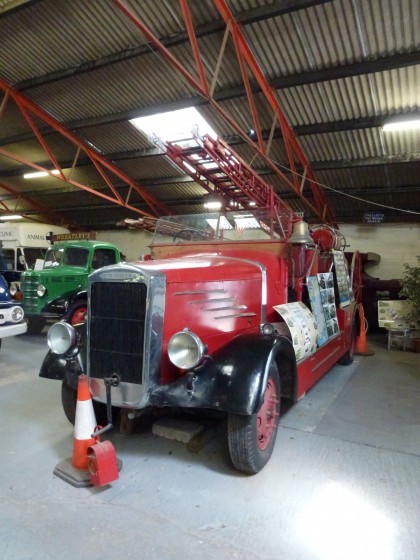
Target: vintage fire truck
234,312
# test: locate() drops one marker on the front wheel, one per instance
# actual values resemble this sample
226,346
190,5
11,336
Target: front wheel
76,315
252,438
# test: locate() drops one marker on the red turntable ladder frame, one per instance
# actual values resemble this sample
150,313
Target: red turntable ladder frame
220,171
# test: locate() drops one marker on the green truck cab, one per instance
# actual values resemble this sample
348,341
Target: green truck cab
59,289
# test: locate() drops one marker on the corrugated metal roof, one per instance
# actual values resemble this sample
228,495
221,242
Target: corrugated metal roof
122,77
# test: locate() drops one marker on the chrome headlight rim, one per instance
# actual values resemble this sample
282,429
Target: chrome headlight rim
41,290
17,314
62,338
185,349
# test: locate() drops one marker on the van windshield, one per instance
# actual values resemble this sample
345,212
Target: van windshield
31,255
68,256
7,259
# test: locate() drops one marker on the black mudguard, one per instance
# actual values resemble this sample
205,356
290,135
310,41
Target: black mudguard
60,305
234,378
59,367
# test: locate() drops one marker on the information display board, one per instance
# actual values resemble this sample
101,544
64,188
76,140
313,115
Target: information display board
322,298
345,292
302,327
393,314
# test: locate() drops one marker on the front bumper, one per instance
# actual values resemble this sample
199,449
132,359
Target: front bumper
12,330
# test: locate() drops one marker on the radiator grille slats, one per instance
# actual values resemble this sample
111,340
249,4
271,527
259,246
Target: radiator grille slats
117,318
29,285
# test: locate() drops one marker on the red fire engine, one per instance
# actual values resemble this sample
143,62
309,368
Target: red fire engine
234,312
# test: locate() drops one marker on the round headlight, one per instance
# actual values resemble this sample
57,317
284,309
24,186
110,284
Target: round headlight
13,290
61,337
17,314
40,291
185,349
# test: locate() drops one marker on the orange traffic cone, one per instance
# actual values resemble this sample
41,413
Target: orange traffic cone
92,463
84,425
361,347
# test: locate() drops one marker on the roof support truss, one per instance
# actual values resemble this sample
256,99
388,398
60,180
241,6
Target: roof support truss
106,170
317,201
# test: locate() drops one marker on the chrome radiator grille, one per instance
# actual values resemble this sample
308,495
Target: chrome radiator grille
116,330
29,285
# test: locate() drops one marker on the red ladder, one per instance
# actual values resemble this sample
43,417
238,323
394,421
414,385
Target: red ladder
221,171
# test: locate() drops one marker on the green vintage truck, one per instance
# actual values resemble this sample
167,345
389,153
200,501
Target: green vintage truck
58,290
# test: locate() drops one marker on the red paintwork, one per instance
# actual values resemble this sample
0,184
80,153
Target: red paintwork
267,415
237,275
314,367
102,463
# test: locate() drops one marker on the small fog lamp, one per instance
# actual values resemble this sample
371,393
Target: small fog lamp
267,328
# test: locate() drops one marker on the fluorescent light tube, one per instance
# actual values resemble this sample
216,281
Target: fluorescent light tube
7,217
37,174
396,126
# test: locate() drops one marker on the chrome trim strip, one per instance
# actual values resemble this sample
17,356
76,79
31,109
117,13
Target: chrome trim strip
192,292
211,300
227,307
237,315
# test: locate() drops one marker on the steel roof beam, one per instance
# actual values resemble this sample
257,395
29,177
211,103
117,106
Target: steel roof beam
33,114
249,67
316,165
49,213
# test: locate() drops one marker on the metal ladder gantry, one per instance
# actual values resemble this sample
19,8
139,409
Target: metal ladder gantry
221,172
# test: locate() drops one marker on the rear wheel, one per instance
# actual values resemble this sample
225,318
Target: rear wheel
252,438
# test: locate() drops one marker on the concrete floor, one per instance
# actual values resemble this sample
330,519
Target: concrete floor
343,482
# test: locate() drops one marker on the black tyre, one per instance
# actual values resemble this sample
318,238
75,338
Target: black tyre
252,438
348,357
69,401
35,325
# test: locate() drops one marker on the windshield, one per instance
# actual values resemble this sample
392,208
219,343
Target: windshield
31,255
69,256
227,227
7,259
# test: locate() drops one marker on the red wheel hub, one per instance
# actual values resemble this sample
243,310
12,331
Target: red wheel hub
267,415
78,316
